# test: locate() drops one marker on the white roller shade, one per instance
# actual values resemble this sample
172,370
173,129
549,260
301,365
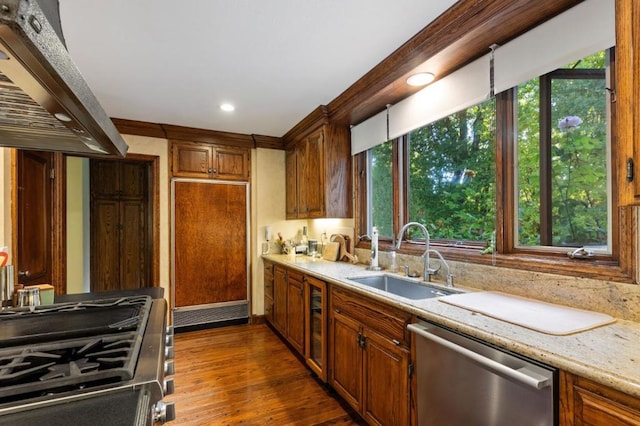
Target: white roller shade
580,31
369,133
460,90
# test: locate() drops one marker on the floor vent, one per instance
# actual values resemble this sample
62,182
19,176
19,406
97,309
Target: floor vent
210,316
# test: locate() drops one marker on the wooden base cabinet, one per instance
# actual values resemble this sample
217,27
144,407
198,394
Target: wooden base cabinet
268,291
370,358
583,402
288,306
295,310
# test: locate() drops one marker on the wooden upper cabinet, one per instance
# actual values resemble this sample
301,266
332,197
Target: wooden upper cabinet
318,170
207,161
628,94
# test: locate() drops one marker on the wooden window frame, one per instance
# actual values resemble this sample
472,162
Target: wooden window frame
618,267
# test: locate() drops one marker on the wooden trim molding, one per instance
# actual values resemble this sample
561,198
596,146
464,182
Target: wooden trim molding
461,34
271,142
139,128
168,131
315,119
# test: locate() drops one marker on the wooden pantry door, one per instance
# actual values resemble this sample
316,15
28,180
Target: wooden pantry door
209,242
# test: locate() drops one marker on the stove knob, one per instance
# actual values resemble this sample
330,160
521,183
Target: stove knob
164,412
168,340
169,386
169,368
168,352
169,330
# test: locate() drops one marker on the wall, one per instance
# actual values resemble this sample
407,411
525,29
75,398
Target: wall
77,225
268,209
5,195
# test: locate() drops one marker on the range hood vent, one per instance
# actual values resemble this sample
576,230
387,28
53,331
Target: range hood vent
45,104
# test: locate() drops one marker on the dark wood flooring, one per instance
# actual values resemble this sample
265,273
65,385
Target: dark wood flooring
245,375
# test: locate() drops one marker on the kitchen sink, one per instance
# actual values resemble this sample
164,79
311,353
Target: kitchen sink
404,287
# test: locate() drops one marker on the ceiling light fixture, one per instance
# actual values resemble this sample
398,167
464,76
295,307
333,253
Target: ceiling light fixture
227,107
420,79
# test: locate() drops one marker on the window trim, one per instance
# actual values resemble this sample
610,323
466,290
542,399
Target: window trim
617,267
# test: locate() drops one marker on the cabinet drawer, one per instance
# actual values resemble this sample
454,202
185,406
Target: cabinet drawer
382,318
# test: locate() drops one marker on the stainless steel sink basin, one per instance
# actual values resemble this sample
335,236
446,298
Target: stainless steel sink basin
403,287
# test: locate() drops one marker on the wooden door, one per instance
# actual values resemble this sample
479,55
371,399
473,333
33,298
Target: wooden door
386,381
346,371
121,218
295,310
210,242
280,299
40,253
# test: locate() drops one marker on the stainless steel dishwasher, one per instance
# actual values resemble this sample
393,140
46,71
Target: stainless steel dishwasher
464,381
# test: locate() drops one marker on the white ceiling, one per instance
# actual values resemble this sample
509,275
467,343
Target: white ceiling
175,62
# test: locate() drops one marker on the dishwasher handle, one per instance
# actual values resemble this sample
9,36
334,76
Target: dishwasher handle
494,366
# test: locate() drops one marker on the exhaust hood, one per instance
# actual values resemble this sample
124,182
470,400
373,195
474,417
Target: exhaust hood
45,104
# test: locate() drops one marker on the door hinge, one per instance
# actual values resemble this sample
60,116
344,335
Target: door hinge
52,174
630,170
410,369
362,341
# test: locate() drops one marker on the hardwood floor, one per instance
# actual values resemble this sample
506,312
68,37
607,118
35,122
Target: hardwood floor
246,375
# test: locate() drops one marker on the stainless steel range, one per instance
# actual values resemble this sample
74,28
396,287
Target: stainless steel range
99,362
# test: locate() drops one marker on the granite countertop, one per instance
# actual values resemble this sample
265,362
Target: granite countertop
609,354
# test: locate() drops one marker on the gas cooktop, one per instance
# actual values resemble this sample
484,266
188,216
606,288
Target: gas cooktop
76,350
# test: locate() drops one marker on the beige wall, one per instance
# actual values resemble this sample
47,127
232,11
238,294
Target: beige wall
77,225
5,194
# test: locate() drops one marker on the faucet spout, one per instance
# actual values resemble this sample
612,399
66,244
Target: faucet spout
427,271
444,263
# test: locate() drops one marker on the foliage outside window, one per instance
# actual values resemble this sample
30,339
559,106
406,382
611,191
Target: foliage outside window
560,174
380,161
451,175
563,190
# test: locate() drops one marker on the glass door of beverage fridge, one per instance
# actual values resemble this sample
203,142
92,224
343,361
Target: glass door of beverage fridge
316,326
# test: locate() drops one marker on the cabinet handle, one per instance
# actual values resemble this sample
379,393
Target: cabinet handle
337,311
395,342
215,170
210,170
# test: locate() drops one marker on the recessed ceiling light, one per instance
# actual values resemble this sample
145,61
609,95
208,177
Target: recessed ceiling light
420,79
227,107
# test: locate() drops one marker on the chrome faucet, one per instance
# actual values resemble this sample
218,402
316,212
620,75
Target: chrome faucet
427,270
449,277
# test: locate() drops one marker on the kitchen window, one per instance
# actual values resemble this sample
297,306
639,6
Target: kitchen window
527,174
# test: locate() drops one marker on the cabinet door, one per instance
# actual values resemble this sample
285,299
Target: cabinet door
192,160
315,169
295,311
386,381
346,362
315,326
280,299
231,164
268,291
311,176
583,402
291,183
